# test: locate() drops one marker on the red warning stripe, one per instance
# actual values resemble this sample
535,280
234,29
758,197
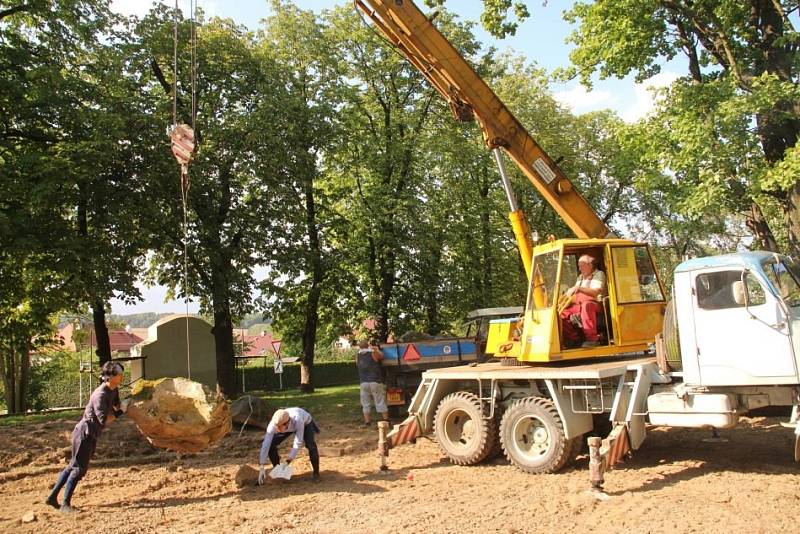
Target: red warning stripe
404,432
619,447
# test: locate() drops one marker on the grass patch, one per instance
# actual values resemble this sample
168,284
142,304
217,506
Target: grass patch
330,403
16,420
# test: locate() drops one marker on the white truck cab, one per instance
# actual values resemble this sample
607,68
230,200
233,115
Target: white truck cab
738,320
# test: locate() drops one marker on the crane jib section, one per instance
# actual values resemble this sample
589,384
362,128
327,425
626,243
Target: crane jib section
470,97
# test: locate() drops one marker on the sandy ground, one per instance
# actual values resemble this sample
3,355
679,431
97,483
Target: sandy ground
675,483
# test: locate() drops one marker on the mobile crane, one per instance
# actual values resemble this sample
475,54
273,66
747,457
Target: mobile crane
731,333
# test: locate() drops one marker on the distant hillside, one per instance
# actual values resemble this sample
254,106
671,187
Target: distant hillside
137,320
257,328
252,319
254,322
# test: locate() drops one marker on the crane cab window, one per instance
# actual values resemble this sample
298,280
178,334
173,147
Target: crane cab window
544,276
570,270
715,291
635,275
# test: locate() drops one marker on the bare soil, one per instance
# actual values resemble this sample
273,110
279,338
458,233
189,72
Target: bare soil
675,483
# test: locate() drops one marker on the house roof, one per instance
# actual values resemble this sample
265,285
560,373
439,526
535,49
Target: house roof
255,346
120,340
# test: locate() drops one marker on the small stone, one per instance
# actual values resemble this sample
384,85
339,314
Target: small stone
29,517
246,476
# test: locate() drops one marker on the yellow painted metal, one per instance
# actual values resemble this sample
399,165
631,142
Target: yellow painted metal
634,323
626,275
500,333
523,234
470,97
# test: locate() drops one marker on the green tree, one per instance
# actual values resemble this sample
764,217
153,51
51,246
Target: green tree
53,152
242,155
301,269
740,55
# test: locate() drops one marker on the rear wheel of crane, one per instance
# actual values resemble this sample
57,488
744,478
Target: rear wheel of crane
464,436
532,436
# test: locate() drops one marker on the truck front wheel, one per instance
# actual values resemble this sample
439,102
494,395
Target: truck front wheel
532,436
464,436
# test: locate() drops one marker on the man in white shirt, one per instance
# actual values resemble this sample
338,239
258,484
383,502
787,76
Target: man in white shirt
287,422
587,295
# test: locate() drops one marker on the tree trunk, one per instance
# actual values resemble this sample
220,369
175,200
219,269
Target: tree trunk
101,332
9,380
223,345
760,229
486,241
312,304
791,210
432,282
24,375
387,279
223,334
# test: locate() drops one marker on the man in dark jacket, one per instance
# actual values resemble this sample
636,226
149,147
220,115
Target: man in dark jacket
103,407
373,391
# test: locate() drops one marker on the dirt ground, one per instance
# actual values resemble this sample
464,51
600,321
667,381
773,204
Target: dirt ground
675,483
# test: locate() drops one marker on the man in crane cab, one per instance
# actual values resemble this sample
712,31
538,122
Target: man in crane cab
579,318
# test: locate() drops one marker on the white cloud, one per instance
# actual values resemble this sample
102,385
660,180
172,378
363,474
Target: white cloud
579,100
644,100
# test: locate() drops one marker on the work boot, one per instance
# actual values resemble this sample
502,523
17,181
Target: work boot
67,508
315,478
52,501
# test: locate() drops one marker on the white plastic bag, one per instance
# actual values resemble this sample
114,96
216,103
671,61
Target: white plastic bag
282,471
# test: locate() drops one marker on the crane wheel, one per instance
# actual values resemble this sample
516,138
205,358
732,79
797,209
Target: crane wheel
462,432
532,436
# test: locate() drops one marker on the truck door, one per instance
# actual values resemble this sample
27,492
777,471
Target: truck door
738,344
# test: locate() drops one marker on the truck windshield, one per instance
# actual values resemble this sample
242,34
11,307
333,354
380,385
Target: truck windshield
784,275
543,280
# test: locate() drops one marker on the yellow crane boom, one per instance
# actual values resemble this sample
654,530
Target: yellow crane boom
470,97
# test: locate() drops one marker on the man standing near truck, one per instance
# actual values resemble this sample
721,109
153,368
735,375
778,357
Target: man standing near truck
373,390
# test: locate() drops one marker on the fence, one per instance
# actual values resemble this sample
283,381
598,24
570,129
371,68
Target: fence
63,388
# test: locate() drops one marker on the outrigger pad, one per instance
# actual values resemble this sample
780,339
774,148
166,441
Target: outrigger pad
179,414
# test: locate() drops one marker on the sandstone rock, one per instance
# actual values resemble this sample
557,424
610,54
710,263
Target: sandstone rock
29,517
246,476
179,415
252,409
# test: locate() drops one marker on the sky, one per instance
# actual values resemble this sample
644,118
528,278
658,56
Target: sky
541,39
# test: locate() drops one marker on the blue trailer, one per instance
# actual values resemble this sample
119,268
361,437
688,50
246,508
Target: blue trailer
404,361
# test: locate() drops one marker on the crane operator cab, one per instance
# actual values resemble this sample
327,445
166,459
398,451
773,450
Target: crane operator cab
587,298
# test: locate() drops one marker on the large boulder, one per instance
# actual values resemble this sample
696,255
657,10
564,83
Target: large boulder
251,410
178,414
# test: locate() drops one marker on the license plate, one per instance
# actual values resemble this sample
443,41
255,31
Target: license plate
395,397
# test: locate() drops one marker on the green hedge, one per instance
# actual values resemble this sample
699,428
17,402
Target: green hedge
324,374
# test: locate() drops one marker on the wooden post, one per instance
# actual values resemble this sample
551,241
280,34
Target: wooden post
383,445
596,464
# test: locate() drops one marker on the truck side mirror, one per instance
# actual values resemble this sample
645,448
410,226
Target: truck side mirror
739,293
